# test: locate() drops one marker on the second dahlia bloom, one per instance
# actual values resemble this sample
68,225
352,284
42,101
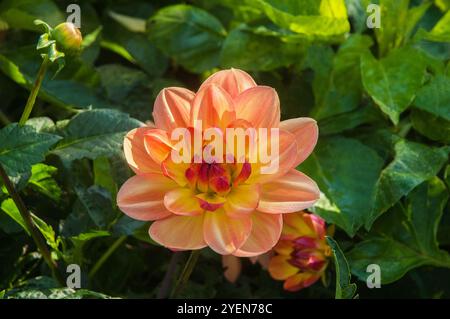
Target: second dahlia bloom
231,207
301,255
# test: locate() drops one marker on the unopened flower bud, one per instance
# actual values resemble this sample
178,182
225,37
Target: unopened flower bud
68,38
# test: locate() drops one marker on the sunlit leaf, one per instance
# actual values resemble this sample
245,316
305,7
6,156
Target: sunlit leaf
21,147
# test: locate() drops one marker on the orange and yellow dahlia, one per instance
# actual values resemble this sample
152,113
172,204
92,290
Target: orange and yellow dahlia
301,255
231,207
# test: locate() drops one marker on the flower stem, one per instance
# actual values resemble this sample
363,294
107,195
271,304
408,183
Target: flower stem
106,255
164,291
34,91
31,227
186,273
4,119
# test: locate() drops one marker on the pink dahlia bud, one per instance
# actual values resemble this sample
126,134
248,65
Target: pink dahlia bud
302,252
68,38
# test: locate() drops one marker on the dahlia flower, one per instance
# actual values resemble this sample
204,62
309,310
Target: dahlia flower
232,207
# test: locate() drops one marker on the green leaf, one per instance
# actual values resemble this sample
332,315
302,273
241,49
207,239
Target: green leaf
190,35
431,126
9,226
337,86
21,147
398,22
128,88
394,15
75,254
435,97
54,54
44,41
47,231
349,120
444,5
357,13
344,288
42,181
140,233
94,133
413,164
56,293
426,204
325,20
393,81
90,47
131,23
73,87
104,176
83,237
78,222
441,31
346,172
20,14
134,47
258,50
98,204
414,15
243,11
119,81
405,240
127,226
447,175
11,210
382,140
41,124
44,288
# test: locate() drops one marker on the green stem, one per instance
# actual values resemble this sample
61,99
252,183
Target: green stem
4,119
106,255
164,290
34,91
31,227
186,273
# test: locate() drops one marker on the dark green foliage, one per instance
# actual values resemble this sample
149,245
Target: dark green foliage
381,98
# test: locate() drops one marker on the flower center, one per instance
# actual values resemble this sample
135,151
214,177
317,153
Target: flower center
213,181
307,255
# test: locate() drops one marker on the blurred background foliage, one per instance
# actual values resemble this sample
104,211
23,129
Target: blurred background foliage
381,98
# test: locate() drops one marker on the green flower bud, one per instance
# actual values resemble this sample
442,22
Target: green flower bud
68,38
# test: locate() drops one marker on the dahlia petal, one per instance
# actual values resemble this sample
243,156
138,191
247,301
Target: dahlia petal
172,108
135,153
213,106
210,202
306,134
317,223
284,247
182,201
260,106
157,144
266,230
224,234
242,199
179,232
278,165
303,224
232,266
300,281
280,268
290,193
233,81
142,196
175,171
